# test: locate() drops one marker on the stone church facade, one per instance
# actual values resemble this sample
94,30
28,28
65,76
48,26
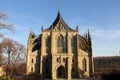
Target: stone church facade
60,52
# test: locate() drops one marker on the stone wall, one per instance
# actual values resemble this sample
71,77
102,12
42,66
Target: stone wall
106,62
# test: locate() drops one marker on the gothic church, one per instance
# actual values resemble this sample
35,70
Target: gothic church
59,52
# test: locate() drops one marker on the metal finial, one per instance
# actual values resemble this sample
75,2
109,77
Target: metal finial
58,6
31,30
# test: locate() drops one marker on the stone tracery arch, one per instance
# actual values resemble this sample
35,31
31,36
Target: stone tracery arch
60,44
60,72
84,64
48,44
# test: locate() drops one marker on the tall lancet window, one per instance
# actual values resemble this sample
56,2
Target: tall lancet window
73,43
48,44
60,44
84,64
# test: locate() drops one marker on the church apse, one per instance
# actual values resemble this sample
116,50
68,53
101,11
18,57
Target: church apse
60,52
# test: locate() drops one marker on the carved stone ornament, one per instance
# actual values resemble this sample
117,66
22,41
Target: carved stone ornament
59,27
59,59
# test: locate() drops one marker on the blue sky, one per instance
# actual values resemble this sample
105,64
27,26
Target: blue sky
102,17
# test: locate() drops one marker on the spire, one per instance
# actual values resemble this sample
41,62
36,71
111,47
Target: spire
58,15
31,34
42,28
89,42
89,37
58,5
77,28
58,10
31,31
57,20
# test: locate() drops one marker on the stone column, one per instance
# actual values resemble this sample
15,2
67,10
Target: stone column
41,61
52,43
53,69
91,65
69,44
42,51
69,68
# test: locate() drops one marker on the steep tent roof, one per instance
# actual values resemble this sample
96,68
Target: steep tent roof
59,18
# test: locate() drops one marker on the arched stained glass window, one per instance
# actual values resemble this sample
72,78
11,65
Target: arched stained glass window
31,69
48,44
48,41
60,43
32,61
84,64
73,43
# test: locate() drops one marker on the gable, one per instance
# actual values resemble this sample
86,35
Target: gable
59,24
60,27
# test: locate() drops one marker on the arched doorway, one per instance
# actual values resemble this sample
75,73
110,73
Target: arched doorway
60,72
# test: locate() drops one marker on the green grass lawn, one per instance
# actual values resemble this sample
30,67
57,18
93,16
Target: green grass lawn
2,77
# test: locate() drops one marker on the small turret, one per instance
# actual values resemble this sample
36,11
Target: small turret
42,28
31,34
89,37
89,42
86,36
29,40
76,28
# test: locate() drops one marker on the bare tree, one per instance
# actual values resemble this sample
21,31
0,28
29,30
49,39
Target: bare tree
5,25
15,55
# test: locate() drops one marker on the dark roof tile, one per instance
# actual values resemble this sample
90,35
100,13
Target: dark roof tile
59,18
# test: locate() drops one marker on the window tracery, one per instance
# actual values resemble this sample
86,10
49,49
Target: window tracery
73,44
60,44
48,43
84,65
32,61
31,69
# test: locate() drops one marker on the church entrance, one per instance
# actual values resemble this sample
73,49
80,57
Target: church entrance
61,72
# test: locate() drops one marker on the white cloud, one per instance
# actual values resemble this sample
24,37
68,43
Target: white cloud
105,42
109,34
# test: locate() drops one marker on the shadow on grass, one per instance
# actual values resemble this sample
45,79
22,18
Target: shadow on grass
32,76
2,77
111,76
